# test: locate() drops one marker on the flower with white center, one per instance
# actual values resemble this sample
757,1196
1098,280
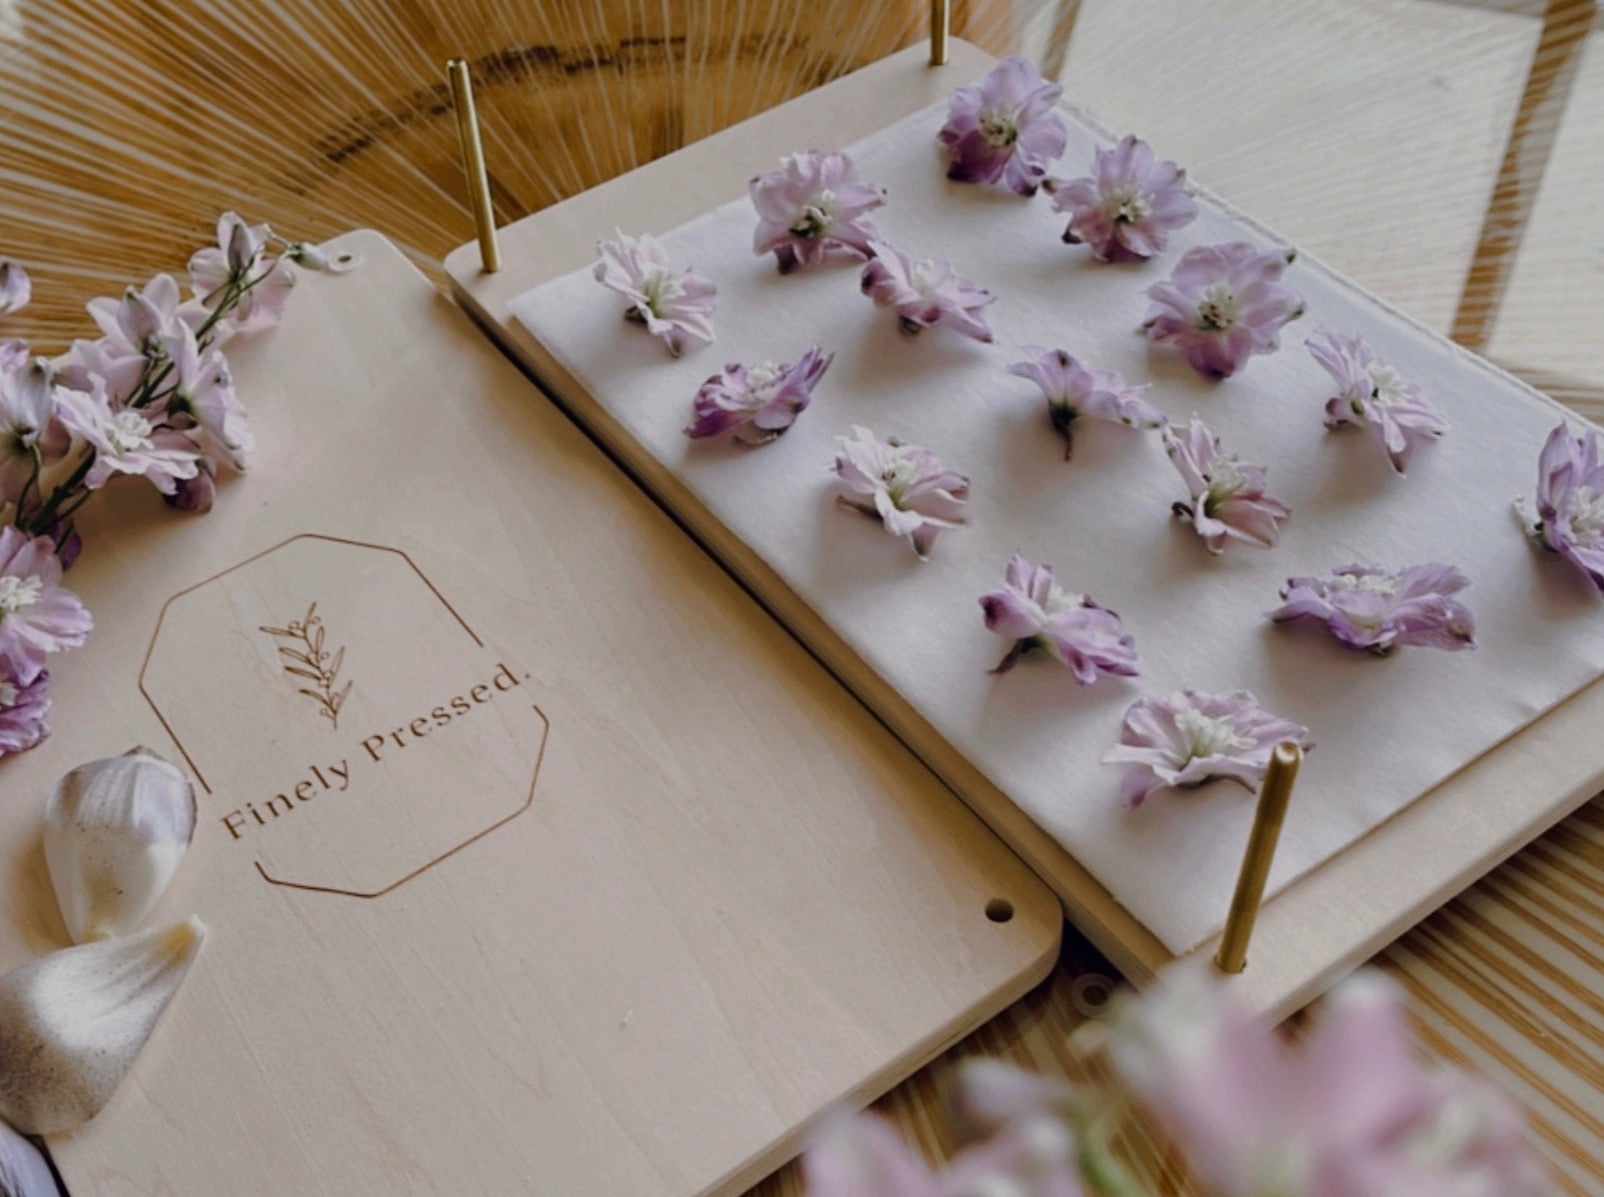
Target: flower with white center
1005,129
811,206
1222,305
126,441
1032,611
903,486
1188,738
1377,609
37,615
676,305
23,709
1072,391
1570,501
1229,499
760,403
135,325
1374,395
1128,206
925,292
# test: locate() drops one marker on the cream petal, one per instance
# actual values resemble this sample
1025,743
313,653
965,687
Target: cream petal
73,1021
115,830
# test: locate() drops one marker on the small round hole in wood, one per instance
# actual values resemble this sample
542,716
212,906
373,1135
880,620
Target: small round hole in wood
999,910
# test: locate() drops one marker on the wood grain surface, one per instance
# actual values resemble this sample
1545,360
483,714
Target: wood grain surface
125,127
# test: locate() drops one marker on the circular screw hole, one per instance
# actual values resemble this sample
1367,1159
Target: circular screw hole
999,910
1090,994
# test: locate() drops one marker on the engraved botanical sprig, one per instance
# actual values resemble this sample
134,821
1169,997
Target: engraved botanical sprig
301,653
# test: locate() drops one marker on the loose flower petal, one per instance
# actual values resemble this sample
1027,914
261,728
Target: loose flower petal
925,292
37,615
115,831
1229,499
676,306
1005,129
812,206
16,288
1032,611
1073,391
1570,501
760,403
1128,206
1375,395
23,710
1377,609
72,1022
1223,304
1188,738
904,486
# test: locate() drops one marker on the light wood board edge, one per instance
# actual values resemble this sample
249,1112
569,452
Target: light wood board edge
1316,929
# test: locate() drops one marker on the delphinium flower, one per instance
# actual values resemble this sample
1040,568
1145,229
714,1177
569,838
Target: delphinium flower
15,287
1375,395
237,273
759,403
811,206
38,616
925,292
903,486
1005,129
1229,499
202,397
1352,1111
676,305
1128,206
1570,501
127,440
1222,305
23,711
1188,738
1032,611
32,438
1072,391
1378,609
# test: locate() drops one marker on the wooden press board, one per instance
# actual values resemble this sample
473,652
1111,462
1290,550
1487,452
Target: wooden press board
595,883
1316,929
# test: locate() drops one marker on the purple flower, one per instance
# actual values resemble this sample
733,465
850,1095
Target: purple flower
16,288
1004,129
1379,609
813,204
1073,391
1229,500
13,354
1375,394
23,707
37,615
31,437
1223,304
677,307
1351,1110
136,325
1033,611
903,486
1128,206
203,396
925,292
237,268
1188,738
760,403
195,494
128,440
1570,501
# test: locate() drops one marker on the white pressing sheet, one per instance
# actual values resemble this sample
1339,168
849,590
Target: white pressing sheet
1387,729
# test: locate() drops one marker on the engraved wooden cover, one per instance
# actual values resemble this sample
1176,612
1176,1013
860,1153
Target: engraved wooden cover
536,857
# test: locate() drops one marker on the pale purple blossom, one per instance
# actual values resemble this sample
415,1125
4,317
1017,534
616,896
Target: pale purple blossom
23,710
903,486
1072,391
758,403
1005,129
1128,206
136,325
104,362
674,305
1375,395
16,288
13,353
1229,499
1570,501
925,292
31,437
1351,1111
1222,305
811,206
1188,738
1378,609
38,616
202,396
1032,611
128,440
237,270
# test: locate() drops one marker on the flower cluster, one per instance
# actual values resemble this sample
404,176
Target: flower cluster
1368,607
151,397
1375,395
1353,1110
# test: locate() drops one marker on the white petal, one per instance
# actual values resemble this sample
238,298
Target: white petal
23,1171
73,1021
115,830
